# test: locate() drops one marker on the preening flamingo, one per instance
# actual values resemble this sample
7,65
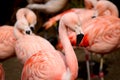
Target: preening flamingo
47,6
7,38
108,6
40,57
2,73
104,5
96,29
102,36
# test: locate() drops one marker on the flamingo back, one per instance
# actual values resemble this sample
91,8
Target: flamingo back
7,41
44,66
28,45
103,31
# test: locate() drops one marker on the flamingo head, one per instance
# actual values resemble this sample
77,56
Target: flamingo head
23,27
72,21
32,24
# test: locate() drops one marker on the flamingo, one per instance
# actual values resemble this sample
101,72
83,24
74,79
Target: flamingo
7,38
47,6
99,8
40,57
101,39
92,26
99,11
2,73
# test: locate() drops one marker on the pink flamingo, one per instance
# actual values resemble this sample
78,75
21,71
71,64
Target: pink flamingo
40,57
47,6
94,33
107,6
99,8
7,38
2,73
101,39
21,29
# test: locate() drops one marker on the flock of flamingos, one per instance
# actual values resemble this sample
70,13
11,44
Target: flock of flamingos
96,28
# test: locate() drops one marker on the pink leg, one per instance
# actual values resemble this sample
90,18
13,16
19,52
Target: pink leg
87,63
101,74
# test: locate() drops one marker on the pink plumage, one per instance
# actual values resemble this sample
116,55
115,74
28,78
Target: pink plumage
29,15
7,42
100,11
7,38
27,45
42,61
103,34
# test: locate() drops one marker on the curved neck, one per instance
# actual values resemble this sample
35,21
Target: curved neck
107,5
17,33
70,56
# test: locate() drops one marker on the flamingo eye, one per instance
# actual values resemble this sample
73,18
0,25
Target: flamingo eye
93,16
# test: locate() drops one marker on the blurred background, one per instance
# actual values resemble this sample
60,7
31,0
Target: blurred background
12,66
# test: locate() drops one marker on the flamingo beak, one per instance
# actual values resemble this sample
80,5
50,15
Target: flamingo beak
95,14
28,32
79,38
80,35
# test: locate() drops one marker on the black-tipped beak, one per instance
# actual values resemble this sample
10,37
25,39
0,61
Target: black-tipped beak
93,16
41,29
32,28
79,38
27,32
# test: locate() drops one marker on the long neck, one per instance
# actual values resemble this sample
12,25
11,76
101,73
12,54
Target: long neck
17,33
107,5
70,56
113,9
21,13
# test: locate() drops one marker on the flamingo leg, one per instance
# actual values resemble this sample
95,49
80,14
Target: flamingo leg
101,74
87,63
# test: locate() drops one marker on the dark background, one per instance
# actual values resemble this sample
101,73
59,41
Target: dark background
7,8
